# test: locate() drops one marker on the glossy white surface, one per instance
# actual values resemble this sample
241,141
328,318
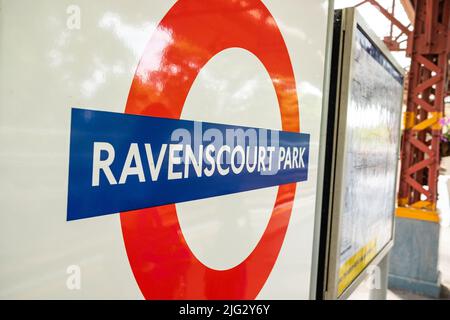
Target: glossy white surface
232,88
47,68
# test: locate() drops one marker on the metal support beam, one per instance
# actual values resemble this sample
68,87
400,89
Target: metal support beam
393,42
409,9
380,293
425,106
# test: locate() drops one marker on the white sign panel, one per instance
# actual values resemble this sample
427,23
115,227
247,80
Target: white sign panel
96,99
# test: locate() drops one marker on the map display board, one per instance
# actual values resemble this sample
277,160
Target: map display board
368,137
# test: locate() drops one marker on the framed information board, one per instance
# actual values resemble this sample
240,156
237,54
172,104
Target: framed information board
362,156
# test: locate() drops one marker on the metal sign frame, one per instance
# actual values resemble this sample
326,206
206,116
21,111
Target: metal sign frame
347,22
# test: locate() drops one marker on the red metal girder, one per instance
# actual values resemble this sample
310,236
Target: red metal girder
421,146
390,17
391,41
427,84
425,105
419,166
429,20
417,186
409,9
428,47
427,63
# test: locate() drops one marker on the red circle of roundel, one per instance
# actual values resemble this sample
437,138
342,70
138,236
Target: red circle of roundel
190,34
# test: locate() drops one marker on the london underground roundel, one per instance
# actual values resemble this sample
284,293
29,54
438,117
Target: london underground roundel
128,162
162,262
